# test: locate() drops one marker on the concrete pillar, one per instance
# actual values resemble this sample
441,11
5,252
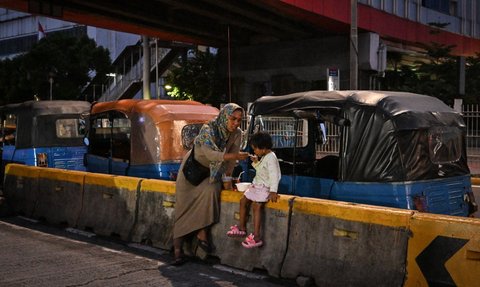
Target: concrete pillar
146,68
457,105
157,87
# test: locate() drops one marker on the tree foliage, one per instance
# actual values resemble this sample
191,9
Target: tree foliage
68,63
472,72
436,76
195,77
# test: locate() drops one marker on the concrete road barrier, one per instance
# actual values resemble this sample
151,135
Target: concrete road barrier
109,205
344,244
21,188
60,195
443,251
275,235
156,204
335,243
475,180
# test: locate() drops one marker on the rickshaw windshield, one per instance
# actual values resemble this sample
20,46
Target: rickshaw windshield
445,144
69,128
110,133
9,127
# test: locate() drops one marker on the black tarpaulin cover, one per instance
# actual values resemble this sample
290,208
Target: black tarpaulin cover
392,136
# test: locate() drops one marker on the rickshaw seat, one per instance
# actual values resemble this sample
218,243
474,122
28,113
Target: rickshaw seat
327,167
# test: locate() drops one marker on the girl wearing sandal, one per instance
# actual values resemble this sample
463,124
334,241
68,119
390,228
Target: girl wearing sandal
197,207
264,188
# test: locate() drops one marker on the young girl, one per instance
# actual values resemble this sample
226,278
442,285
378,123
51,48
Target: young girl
264,188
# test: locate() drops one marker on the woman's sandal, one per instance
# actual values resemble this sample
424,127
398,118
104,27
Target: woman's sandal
204,245
179,261
236,232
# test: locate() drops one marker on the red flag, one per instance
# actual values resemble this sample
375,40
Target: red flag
41,32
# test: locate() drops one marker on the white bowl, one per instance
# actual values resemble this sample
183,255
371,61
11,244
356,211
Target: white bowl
242,186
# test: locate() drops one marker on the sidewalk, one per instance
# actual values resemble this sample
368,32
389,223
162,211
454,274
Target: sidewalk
38,255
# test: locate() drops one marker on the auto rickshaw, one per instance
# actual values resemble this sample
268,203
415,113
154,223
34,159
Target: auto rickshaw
391,149
142,138
44,134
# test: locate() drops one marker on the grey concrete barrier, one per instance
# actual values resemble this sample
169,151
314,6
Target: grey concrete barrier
345,244
109,205
334,243
274,229
60,195
21,188
156,204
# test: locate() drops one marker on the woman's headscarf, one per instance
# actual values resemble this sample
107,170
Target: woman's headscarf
215,135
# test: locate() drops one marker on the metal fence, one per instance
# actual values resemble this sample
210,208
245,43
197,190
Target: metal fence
471,116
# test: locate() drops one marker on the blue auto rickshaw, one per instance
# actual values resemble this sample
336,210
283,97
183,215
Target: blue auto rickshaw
44,133
395,149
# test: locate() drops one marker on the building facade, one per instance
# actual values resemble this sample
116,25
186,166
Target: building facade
275,64
402,26
19,31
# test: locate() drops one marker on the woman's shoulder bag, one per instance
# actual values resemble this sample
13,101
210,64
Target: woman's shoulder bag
194,171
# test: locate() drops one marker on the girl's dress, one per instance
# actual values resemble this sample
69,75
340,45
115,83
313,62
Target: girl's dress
266,178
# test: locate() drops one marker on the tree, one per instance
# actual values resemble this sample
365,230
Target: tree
472,73
438,76
435,76
63,63
195,77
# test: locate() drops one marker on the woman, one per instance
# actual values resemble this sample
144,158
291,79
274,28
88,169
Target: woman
198,207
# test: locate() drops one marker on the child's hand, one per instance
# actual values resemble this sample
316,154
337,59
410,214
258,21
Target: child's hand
254,158
273,196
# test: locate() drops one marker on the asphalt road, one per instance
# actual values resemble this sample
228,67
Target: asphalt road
33,254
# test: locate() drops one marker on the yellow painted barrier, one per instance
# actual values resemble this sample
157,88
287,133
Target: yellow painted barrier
335,243
443,251
274,229
156,205
475,180
21,188
60,195
345,244
109,204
